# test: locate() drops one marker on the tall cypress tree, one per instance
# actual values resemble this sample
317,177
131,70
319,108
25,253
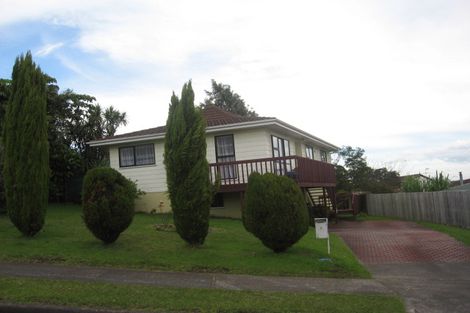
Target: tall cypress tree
187,169
26,163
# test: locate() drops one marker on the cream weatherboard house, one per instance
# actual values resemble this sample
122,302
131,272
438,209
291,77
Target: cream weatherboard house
236,147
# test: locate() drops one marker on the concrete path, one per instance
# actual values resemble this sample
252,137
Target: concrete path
430,270
193,280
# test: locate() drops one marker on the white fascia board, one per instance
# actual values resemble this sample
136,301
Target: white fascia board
305,135
117,141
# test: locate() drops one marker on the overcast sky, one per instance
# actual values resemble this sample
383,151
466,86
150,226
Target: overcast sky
392,77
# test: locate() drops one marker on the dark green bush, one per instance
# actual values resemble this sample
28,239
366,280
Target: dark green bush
275,211
108,203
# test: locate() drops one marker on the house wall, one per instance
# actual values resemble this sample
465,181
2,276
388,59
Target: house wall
297,146
316,152
249,144
149,178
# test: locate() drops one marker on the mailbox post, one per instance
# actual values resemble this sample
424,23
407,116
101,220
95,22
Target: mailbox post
321,230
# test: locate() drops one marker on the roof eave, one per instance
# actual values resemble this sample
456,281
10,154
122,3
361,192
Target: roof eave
307,135
209,129
212,129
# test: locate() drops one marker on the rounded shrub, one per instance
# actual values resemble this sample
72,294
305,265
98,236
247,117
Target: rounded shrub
108,203
275,211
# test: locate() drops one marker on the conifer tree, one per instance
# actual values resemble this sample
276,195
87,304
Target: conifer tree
26,163
187,168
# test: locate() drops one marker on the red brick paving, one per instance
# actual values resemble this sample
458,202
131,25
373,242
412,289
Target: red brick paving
386,242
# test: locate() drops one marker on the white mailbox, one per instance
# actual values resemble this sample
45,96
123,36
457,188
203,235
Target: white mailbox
321,228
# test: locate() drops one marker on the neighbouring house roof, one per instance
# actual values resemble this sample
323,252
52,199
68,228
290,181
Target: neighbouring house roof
217,119
457,182
420,176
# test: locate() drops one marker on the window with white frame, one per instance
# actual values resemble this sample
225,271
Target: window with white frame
309,152
323,156
137,155
225,152
281,149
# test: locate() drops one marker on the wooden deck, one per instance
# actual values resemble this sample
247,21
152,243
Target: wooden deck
306,172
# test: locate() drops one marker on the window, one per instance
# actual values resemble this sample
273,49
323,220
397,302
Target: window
281,149
309,152
225,152
137,155
323,156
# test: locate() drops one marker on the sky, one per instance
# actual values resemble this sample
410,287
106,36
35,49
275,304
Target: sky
391,77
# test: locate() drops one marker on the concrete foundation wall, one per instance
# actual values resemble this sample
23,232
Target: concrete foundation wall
232,206
157,201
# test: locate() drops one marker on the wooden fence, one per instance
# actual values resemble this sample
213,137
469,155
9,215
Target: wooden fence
443,207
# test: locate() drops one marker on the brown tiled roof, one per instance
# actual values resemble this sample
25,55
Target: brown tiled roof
213,115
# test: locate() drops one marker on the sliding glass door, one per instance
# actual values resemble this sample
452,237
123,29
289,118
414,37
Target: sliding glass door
281,149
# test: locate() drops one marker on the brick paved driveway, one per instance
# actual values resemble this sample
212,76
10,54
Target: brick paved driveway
392,242
430,270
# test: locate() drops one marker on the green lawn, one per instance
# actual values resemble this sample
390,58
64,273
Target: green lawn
228,248
458,233
138,297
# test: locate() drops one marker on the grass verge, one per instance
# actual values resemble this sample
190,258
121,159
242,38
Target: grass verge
228,248
461,234
137,297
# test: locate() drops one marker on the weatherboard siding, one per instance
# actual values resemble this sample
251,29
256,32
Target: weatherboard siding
149,178
249,144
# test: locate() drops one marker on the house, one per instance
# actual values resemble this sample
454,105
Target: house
236,147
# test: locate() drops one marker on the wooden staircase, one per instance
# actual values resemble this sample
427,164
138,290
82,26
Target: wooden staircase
319,196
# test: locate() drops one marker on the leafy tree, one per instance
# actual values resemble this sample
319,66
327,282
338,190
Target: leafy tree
383,180
187,168
73,119
112,119
415,184
26,164
438,183
357,175
223,97
342,178
412,184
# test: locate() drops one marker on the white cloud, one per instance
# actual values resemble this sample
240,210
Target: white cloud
358,73
48,49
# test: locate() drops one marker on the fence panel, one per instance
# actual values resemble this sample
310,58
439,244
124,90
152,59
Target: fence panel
443,207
